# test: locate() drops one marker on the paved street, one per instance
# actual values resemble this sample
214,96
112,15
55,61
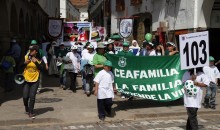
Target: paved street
58,109
205,123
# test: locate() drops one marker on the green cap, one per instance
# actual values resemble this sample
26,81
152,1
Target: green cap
108,63
211,58
125,44
33,42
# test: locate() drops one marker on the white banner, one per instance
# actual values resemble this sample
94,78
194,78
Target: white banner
126,26
55,27
194,50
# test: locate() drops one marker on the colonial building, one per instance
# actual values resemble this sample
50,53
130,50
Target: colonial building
23,20
166,19
82,6
51,7
68,11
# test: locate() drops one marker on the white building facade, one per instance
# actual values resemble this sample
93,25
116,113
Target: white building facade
68,11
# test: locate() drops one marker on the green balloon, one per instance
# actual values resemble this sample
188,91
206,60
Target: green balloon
148,37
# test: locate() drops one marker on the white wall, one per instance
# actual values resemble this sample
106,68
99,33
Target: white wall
63,8
184,14
83,13
72,10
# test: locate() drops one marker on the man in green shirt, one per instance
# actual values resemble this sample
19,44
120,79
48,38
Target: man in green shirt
125,51
99,58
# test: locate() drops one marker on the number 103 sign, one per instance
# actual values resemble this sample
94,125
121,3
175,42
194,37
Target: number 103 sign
194,50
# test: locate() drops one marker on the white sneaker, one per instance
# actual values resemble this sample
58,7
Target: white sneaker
123,97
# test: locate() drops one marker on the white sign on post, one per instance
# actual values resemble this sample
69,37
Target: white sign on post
194,50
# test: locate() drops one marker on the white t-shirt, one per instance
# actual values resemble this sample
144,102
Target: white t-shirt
211,72
88,56
152,53
105,79
75,58
196,100
85,51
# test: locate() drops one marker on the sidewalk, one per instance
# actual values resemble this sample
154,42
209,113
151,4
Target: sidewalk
56,106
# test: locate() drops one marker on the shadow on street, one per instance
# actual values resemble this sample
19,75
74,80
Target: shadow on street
144,103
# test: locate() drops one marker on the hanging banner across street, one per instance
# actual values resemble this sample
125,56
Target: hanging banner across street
155,78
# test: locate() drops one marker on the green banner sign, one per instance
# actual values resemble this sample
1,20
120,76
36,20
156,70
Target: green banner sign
156,78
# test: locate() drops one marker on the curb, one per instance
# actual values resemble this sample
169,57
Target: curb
174,114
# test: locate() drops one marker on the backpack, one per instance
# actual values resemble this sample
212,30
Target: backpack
88,70
5,64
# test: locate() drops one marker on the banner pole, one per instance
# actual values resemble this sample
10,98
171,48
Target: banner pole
194,71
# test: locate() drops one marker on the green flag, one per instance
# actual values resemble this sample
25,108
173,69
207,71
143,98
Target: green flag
154,77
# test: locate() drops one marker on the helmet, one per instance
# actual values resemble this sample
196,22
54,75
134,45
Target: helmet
190,89
211,58
90,46
125,44
108,63
74,47
33,42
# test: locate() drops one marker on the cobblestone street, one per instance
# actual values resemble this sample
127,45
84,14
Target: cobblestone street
205,123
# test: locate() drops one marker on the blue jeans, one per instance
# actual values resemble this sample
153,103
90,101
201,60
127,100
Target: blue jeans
210,94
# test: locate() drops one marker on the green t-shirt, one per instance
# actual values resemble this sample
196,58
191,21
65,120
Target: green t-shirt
125,53
98,60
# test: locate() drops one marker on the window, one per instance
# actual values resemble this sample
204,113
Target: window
120,5
136,2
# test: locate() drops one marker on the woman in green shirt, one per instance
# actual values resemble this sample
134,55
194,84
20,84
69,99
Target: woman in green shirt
99,58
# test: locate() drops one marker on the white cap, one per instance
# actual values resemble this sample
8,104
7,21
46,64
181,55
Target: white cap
74,47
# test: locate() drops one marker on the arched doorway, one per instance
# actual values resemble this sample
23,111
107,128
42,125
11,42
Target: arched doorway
13,20
4,23
21,22
142,25
214,29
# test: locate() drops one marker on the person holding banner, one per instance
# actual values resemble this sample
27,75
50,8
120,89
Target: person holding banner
143,51
99,58
193,102
104,90
213,74
125,51
150,49
171,49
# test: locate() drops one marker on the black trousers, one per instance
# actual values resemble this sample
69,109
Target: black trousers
73,80
192,122
29,94
104,105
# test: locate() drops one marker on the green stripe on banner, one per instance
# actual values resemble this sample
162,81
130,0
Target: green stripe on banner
154,77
